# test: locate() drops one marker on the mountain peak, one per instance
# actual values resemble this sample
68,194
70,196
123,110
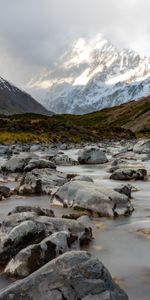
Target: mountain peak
94,74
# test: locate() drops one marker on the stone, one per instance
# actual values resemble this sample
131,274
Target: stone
142,146
71,276
64,160
39,164
35,256
5,191
37,210
83,178
26,233
125,189
92,155
94,198
17,163
40,181
129,174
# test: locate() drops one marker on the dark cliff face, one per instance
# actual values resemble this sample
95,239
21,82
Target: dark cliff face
15,101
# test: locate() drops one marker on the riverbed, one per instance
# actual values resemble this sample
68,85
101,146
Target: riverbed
116,243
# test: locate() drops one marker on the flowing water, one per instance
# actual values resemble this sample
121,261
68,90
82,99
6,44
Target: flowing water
116,243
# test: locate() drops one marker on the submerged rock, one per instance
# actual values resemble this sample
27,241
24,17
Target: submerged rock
92,155
89,196
73,275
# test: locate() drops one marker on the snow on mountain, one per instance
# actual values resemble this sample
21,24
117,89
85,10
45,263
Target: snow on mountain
91,75
15,101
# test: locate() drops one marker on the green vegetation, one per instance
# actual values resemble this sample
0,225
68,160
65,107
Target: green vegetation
125,121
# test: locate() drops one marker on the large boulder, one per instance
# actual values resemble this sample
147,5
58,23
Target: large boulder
17,162
92,155
35,256
40,181
26,233
129,174
73,275
142,146
21,229
95,198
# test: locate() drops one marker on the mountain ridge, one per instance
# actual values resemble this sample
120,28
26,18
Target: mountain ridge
93,74
14,101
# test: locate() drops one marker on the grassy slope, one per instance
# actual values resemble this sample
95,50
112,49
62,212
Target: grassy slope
125,121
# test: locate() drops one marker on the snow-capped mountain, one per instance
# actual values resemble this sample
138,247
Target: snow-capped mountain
15,101
91,75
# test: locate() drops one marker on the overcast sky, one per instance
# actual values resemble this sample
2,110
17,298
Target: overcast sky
34,32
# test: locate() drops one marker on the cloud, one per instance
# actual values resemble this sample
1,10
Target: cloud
33,33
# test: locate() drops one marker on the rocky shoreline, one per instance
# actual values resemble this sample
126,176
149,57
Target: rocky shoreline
47,250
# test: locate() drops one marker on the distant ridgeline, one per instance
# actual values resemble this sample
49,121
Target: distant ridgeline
125,121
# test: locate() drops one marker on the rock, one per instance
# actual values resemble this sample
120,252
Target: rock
4,150
38,210
5,191
63,147
36,147
92,155
142,146
35,256
83,178
96,199
26,233
71,276
84,233
64,160
17,163
129,174
124,189
40,181
39,164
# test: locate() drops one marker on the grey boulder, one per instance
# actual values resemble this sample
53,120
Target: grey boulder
92,155
142,146
89,196
72,276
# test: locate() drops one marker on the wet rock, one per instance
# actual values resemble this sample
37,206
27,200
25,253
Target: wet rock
92,155
5,191
64,160
17,163
38,210
89,196
84,233
142,146
26,233
39,164
35,256
129,174
83,178
124,189
73,275
40,181
4,150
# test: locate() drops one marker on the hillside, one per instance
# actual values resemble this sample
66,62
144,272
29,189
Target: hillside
125,121
15,101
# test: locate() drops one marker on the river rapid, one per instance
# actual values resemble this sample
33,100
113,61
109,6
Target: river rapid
116,243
